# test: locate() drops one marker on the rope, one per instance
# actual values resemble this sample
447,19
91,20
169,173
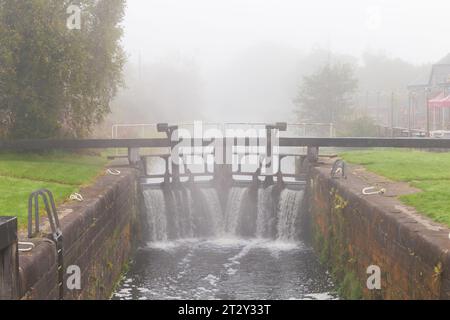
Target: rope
76,197
339,168
113,172
373,191
30,245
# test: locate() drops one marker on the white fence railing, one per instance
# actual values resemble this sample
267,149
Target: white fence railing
146,130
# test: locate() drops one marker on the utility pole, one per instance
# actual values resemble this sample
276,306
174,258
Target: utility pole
443,124
409,113
366,111
392,113
428,111
140,66
378,106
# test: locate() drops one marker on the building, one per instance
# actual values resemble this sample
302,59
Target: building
429,99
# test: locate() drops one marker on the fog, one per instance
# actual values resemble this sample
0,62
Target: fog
243,60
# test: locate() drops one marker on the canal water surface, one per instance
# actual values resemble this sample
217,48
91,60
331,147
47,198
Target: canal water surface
196,250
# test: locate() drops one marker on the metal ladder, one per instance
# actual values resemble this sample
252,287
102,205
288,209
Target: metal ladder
52,214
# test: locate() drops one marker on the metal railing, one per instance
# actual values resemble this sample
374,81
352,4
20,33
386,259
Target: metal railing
32,145
220,146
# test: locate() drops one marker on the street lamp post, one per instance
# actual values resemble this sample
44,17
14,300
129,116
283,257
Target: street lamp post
392,114
409,113
428,110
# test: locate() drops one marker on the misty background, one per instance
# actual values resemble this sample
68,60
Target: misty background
244,60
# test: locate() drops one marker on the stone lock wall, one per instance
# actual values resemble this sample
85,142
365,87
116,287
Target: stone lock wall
98,236
351,232
9,262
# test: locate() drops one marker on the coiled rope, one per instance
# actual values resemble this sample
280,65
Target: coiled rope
373,191
76,197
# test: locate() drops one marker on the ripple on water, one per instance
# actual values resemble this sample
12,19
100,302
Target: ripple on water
227,268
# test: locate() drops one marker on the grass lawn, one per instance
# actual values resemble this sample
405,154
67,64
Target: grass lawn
61,173
429,172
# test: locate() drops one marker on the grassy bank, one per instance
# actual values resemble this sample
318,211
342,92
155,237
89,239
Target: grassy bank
429,172
62,173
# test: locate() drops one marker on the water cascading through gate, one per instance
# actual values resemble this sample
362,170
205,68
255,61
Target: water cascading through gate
204,243
191,211
224,239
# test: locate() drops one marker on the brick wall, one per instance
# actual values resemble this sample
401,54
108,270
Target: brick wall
98,235
8,258
351,232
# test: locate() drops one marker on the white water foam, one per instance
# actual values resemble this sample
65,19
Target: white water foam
156,214
265,205
289,207
233,209
179,217
214,209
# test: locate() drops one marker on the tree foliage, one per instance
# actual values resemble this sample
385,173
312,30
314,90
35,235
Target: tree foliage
363,126
327,95
55,81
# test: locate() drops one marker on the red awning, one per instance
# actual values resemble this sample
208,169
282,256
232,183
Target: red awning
440,101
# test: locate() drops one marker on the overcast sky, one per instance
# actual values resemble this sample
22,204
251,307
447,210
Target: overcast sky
213,30
247,52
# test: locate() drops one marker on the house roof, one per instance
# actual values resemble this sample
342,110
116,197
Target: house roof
421,81
424,80
445,60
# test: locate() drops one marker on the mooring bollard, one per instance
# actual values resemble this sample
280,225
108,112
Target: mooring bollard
312,154
299,169
169,131
9,258
133,156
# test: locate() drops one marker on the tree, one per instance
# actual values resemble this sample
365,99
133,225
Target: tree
362,126
55,81
327,95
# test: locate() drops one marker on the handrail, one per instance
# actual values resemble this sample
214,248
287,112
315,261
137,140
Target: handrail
283,142
52,215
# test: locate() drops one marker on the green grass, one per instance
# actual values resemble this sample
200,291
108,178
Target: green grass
56,167
427,171
61,173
